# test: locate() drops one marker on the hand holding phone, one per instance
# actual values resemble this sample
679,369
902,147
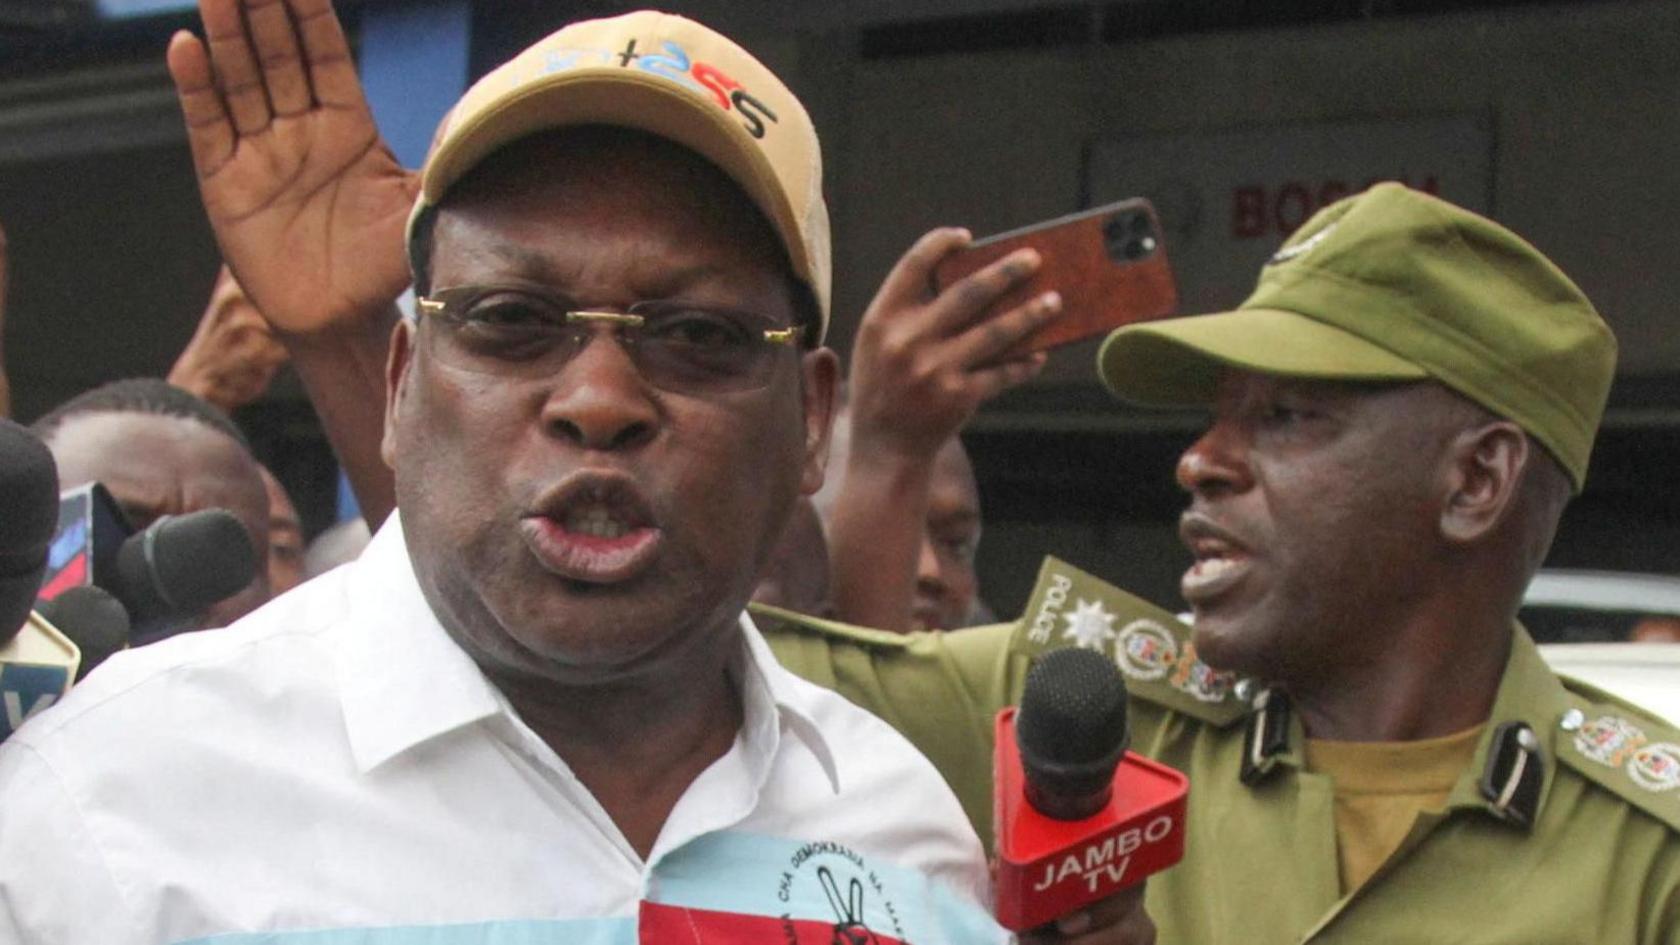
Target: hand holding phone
921,364
1108,264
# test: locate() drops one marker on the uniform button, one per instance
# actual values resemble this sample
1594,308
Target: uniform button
1572,720
1244,690
1525,738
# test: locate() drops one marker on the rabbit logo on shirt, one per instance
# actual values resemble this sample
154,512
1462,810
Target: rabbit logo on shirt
849,928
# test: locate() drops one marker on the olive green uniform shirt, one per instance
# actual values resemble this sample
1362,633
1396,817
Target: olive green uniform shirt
1563,828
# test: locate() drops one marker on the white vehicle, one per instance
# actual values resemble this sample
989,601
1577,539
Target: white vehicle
1582,620
1645,674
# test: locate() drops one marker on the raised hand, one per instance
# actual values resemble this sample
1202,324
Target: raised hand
921,365
307,201
233,356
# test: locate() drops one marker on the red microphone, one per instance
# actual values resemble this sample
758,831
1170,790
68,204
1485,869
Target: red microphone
1078,817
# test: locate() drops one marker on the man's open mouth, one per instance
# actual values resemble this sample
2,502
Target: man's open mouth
1221,560
595,528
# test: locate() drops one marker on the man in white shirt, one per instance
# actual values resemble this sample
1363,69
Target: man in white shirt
337,762
533,710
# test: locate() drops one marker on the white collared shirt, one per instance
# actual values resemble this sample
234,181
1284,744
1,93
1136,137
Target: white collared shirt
335,770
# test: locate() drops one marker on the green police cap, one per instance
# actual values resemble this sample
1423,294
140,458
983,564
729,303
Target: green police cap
1395,285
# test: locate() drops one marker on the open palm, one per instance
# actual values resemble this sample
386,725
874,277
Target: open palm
306,200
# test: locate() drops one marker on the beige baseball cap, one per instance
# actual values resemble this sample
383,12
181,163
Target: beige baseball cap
668,76
1396,285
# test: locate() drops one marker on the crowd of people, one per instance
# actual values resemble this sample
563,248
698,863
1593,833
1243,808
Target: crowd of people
525,697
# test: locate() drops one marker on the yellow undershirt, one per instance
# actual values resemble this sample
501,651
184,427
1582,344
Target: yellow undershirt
1381,787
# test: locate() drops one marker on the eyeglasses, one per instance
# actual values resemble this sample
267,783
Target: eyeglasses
518,331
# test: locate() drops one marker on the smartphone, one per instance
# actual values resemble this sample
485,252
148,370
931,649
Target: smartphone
1109,264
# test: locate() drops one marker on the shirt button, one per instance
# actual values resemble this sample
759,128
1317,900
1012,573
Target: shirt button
1572,720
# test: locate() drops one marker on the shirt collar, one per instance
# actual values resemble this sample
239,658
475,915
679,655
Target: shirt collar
405,681
402,678
772,697
1529,694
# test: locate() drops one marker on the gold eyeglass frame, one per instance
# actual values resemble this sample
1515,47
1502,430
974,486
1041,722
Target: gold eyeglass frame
775,336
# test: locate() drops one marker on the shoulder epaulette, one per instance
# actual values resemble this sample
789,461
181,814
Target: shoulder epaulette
1623,749
773,620
1151,647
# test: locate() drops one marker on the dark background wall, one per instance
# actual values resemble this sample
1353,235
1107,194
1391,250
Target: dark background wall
1557,118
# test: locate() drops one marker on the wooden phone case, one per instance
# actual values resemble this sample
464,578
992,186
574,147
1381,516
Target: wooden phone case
1109,264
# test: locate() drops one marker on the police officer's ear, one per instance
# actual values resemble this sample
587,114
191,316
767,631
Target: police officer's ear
1482,471
820,371
397,362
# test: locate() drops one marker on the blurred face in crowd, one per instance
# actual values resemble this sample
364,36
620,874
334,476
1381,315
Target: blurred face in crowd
796,576
1313,510
156,466
595,523
1655,630
285,537
946,585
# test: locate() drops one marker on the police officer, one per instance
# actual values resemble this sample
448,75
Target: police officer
1400,412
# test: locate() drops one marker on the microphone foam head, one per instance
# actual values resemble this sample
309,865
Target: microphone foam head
94,620
1072,727
29,513
183,563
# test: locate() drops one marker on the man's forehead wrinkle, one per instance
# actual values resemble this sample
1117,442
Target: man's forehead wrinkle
486,256
479,250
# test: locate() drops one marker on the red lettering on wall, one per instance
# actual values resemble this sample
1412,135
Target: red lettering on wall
1331,191
1259,211
1248,212
1292,207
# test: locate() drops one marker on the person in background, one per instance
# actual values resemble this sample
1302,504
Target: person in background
162,451
233,355
945,587
230,362
796,576
285,537
904,524
339,544
1655,630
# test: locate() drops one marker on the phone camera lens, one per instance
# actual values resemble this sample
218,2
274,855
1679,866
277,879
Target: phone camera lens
1130,236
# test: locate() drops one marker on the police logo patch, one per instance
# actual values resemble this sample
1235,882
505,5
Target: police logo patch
1200,680
1089,626
1145,650
1655,767
1609,740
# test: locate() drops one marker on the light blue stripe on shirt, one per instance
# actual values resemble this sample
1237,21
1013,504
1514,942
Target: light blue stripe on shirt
756,874
619,930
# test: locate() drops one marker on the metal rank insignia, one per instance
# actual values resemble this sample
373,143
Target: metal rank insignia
1267,735
1514,774
1616,742
1655,767
1200,680
1609,740
1145,650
